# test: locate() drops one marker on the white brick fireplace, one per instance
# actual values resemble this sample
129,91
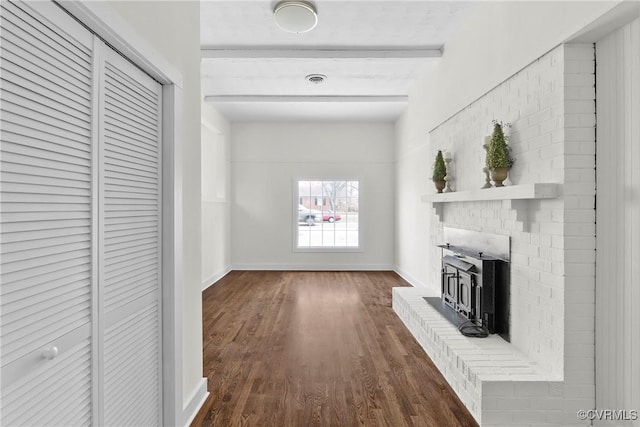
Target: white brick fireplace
546,373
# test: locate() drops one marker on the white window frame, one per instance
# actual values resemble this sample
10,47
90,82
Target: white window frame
294,217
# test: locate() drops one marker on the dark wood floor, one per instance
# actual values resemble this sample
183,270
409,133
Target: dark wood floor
317,349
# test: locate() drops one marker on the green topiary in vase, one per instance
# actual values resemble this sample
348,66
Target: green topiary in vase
439,172
499,159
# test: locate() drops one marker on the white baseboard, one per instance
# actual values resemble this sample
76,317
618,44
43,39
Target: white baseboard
213,279
412,280
195,402
313,267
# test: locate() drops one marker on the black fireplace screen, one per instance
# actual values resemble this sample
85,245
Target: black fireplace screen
475,287
458,285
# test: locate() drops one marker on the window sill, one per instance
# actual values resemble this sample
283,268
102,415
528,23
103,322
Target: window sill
323,249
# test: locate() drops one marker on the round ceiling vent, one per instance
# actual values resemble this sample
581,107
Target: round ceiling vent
295,16
316,78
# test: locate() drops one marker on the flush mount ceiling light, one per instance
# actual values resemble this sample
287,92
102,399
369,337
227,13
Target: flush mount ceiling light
295,16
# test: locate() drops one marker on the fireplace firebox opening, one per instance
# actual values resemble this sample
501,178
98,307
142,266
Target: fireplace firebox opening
475,283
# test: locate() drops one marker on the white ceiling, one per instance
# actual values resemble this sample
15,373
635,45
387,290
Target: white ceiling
370,51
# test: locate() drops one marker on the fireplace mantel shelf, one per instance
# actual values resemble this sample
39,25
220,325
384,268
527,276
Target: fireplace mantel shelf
516,197
511,192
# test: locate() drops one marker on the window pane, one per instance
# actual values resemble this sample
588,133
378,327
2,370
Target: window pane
327,214
303,238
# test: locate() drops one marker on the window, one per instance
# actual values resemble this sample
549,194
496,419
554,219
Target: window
327,214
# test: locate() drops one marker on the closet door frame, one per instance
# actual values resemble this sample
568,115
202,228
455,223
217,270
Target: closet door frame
100,18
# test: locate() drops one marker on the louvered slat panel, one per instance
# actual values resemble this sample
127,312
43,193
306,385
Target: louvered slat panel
45,253
25,403
133,289
124,256
138,193
118,237
128,229
23,300
45,238
40,101
131,363
120,162
58,48
127,264
23,245
64,143
13,231
143,221
129,107
617,227
22,105
23,118
131,239
123,156
123,185
33,326
34,236
140,127
44,287
40,87
52,180
127,98
130,275
141,97
37,207
119,144
130,171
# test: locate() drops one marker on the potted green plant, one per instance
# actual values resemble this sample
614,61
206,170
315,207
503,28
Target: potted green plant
499,159
439,172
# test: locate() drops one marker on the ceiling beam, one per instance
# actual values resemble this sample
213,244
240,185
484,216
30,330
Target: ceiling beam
319,53
305,98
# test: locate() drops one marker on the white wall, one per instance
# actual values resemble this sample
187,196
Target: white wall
618,221
216,174
172,28
265,160
498,39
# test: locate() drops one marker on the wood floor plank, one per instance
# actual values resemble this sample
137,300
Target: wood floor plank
316,349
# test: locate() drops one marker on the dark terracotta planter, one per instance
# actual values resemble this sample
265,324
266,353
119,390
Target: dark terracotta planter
440,184
498,175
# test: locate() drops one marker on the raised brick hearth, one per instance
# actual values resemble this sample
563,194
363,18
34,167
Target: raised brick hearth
497,383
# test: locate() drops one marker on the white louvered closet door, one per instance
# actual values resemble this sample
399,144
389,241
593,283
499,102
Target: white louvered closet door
80,244
46,217
130,256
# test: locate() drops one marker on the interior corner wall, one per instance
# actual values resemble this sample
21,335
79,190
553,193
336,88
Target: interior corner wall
413,178
216,213
265,160
172,28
